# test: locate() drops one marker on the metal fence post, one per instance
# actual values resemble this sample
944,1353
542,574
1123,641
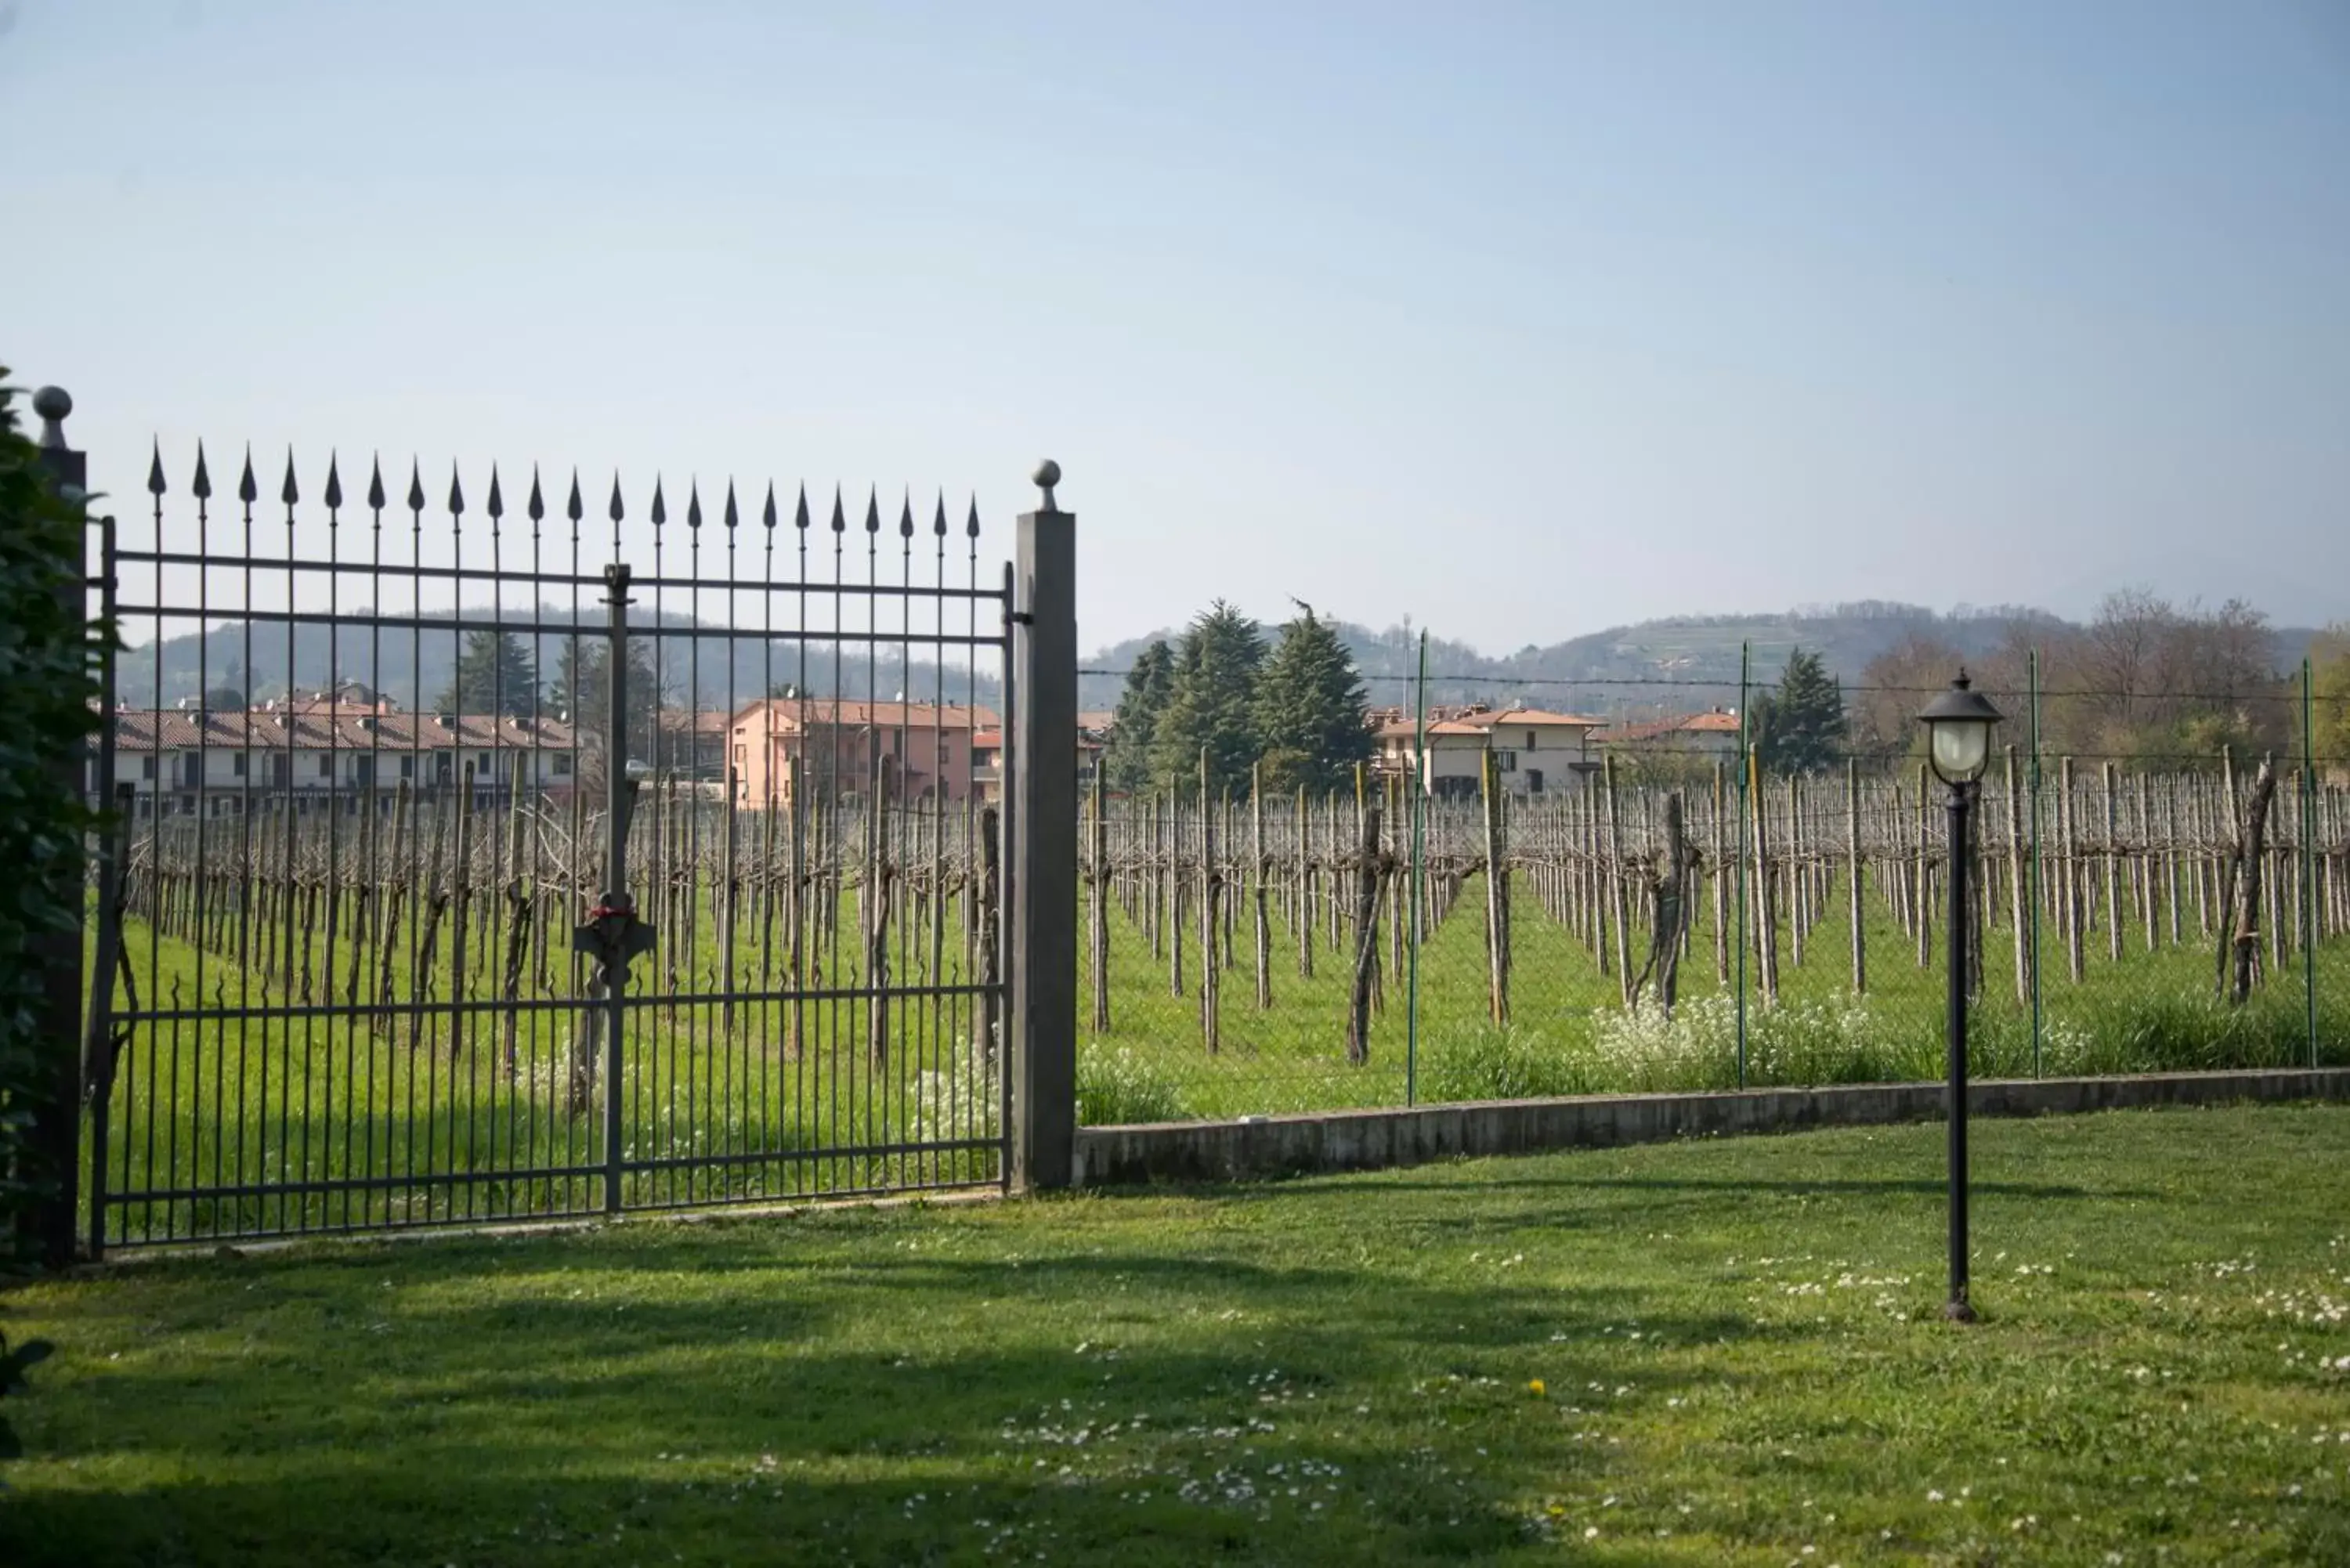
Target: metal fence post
1044,796
1745,816
2031,676
57,1121
2309,850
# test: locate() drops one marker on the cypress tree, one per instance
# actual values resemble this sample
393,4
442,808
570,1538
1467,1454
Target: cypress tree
1212,702
1799,726
1149,685
1310,710
493,676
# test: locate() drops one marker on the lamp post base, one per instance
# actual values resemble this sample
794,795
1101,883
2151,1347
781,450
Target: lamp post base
1958,1311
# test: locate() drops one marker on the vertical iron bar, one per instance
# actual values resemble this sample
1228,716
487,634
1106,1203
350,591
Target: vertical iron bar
617,801
97,1046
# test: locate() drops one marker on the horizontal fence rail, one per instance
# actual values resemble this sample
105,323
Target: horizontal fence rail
473,865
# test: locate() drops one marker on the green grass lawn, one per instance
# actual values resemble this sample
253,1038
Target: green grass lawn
1707,1352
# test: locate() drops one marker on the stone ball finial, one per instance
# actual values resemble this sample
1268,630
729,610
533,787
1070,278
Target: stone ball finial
52,404
1047,475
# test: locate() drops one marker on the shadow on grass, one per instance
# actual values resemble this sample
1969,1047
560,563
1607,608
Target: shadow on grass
340,1417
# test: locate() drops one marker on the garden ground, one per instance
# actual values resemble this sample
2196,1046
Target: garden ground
1719,1352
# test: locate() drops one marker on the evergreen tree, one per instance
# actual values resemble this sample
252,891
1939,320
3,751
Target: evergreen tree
1148,684
2329,657
1212,703
493,676
1310,710
1799,726
582,691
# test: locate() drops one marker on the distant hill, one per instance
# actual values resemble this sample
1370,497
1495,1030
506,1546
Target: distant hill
1629,673
1678,664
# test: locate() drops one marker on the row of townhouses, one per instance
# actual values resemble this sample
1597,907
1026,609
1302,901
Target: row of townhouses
341,749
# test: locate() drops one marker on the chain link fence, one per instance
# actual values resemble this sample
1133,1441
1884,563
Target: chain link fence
1654,908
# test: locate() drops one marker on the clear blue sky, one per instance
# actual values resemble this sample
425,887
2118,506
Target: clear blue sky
1521,320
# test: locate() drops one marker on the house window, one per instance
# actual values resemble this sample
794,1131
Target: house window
560,765
363,770
327,766
408,767
236,764
1530,740
147,767
1505,762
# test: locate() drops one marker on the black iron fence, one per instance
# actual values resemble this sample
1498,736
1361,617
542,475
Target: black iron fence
504,853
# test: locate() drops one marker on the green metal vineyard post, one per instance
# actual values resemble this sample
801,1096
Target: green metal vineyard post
2032,666
1744,669
1411,930
2308,853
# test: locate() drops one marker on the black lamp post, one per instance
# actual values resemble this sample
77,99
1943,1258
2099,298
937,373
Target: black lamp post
1957,728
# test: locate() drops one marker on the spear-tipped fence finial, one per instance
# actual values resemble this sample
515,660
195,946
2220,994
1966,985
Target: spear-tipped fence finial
155,485
286,491
246,489
334,481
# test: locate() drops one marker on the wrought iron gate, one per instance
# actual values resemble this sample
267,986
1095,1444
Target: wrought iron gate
472,866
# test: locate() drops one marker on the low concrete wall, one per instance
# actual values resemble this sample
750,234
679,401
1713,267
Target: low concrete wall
1368,1140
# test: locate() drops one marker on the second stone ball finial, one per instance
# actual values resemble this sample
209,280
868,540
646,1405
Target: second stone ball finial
1048,474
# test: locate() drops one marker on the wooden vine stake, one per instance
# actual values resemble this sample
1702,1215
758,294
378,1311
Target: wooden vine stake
1366,900
1497,898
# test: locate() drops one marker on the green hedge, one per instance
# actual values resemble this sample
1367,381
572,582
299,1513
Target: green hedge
47,663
